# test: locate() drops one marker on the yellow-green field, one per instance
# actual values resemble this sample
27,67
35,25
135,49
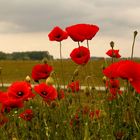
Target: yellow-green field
83,115
18,70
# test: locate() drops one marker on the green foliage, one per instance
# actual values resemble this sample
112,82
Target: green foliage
2,56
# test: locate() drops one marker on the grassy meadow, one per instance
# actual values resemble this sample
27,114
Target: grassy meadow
18,70
84,115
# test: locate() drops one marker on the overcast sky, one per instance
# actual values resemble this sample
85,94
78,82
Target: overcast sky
25,24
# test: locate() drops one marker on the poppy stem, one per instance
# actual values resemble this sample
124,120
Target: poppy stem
90,64
112,46
61,61
78,43
87,44
132,52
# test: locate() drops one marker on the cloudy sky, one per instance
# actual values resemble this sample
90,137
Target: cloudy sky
25,24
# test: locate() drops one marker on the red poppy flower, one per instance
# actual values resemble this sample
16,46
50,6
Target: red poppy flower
3,119
97,112
115,91
61,94
111,71
114,88
74,86
9,103
126,69
112,83
81,32
41,71
27,115
48,93
91,114
80,55
20,90
57,34
113,53
130,70
75,120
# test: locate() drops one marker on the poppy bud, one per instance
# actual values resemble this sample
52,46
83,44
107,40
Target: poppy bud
104,79
53,104
135,33
76,72
49,81
28,79
112,44
45,60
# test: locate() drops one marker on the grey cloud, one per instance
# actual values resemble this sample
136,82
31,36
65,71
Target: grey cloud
43,15
40,16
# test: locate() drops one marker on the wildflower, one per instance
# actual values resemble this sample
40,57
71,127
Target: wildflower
80,55
95,113
9,103
48,92
57,34
20,90
91,114
125,69
27,115
111,70
81,32
74,86
112,83
61,94
75,121
113,53
41,71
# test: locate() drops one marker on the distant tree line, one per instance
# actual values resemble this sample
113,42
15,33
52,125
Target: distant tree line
29,55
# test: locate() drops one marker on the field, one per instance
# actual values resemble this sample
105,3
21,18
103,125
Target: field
18,70
79,115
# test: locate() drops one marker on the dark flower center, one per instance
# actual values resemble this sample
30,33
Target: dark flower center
44,93
58,36
80,54
20,93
